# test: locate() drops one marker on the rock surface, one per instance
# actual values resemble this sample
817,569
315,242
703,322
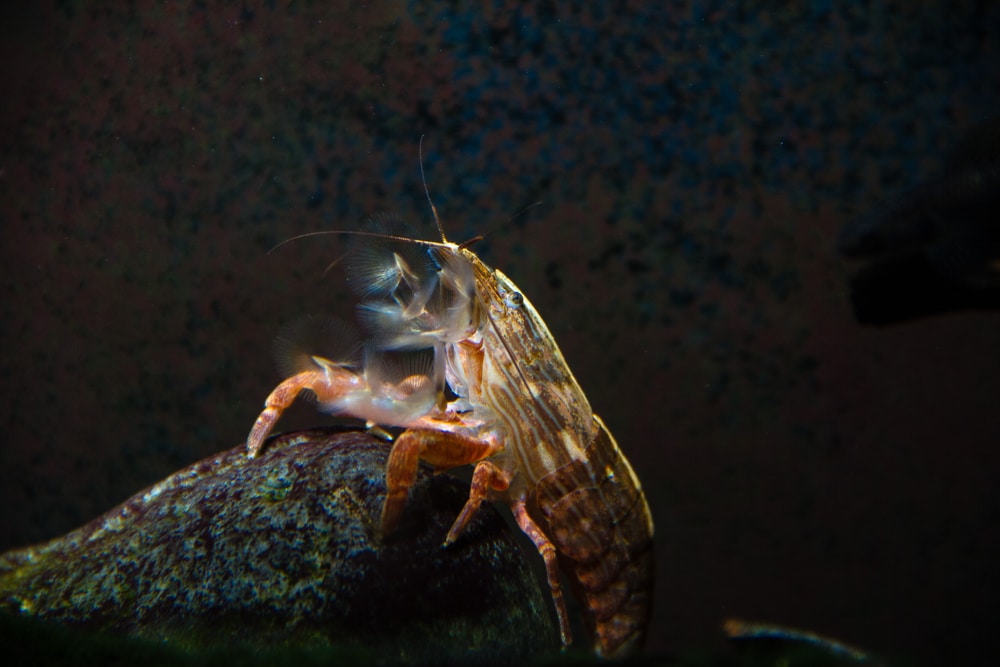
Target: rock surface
285,551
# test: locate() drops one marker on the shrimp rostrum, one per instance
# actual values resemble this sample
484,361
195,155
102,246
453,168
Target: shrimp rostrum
456,355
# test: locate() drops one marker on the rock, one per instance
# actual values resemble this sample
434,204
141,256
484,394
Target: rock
284,551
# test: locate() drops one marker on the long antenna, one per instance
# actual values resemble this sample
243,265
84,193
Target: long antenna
351,232
437,220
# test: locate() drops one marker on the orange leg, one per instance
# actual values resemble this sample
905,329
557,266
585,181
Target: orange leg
328,382
548,553
442,449
485,478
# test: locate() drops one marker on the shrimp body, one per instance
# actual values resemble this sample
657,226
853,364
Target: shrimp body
577,484
458,356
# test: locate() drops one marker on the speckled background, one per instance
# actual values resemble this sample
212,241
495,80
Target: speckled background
693,164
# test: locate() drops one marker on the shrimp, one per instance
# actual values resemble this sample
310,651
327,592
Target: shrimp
458,357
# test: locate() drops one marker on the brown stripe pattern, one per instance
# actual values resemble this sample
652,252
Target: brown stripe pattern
598,518
580,487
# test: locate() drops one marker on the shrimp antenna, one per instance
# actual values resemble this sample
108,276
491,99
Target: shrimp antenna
485,235
437,220
351,232
524,211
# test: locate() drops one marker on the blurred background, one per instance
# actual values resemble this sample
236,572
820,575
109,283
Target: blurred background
693,163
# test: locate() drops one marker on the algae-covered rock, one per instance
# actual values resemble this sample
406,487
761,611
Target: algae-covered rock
284,551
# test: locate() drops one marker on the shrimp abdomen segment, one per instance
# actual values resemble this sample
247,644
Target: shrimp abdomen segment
598,518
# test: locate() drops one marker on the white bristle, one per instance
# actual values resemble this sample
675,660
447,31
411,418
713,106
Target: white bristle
316,336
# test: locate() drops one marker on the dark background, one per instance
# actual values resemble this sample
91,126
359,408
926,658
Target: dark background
694,163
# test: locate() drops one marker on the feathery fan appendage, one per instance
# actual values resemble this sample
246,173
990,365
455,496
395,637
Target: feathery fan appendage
300,344
378,264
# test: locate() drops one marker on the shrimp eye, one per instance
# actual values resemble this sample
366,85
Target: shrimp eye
513,300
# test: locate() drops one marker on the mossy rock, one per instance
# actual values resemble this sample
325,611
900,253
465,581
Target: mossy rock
283,552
